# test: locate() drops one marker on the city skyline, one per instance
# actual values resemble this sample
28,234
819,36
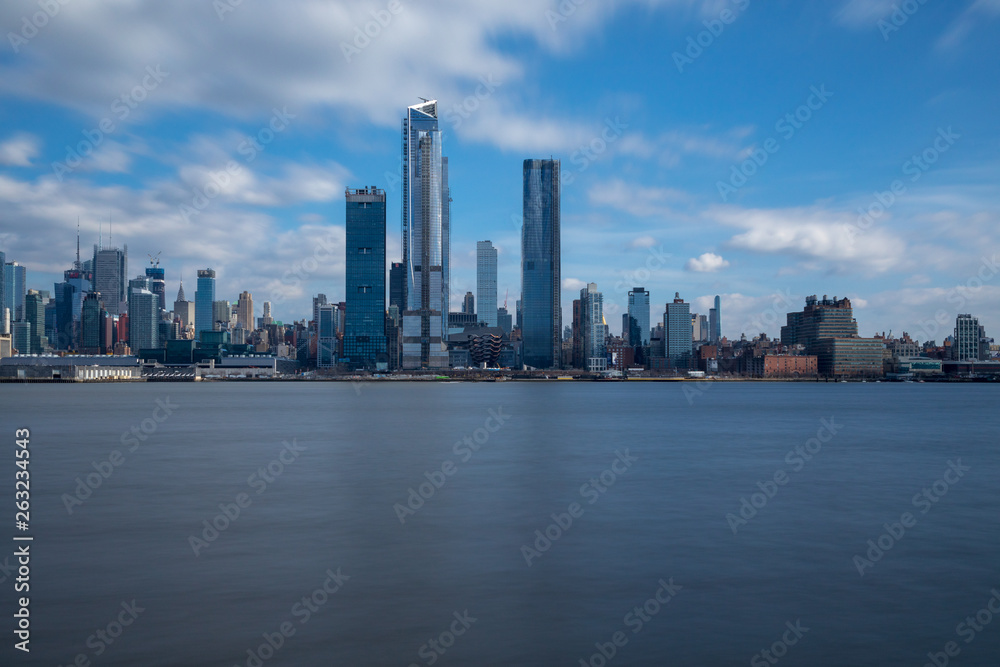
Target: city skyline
646,162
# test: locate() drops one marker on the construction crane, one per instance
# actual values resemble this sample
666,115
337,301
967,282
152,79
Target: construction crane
154,260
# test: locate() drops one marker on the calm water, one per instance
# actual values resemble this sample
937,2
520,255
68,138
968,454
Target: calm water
357,451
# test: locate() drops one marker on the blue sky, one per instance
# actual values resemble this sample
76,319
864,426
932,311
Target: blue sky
658,110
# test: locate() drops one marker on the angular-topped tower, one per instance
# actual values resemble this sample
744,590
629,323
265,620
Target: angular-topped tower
426,210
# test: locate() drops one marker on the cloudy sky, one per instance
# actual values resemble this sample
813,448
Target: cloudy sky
760,151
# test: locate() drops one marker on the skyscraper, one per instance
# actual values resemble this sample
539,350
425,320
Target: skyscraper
678,333
15,279
715,321
92,324
486,282
326,335
469,304
222,315
204,296
183,309
157,282
397,285
638,317
426,210
34,314
244,311
110,271
541,309
143,319
3,286
595,328
364,318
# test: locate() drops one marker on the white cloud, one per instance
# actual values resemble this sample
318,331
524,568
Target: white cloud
634,199
815,235
706,263
19,150
573,284
642,242
976,14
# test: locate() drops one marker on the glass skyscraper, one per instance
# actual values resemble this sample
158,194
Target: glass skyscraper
15,278
541,310
638,317
364,321
715,322
204,296
595,328
426,211
143,319
486,282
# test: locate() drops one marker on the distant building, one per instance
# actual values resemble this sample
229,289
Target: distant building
504,320
94,338
783,366
110,277
469,304
715,321
827,328
34,314
638,317
184,309
678,337
157,283
541,282
397,286
143,319
15,279
21,337
222,313
326,332
204,297
486,282
595,329
244,311
970,343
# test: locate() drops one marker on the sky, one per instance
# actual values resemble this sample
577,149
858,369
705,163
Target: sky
760,151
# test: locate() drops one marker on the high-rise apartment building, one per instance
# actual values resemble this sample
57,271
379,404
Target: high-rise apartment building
143,320
15,279
244,311
678,336
638,317
541,308
970,342
595,328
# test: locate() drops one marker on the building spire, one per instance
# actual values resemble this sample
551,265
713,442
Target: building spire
78,265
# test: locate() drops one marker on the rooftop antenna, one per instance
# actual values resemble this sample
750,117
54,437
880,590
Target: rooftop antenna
77,267
100,235
109,229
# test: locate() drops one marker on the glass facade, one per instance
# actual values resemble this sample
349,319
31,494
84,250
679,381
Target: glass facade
486,282
638,317
364,322
143,320
110,271
541,310
204,296
15,278
426,240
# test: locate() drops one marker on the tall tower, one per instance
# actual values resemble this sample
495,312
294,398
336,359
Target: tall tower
594,328
679,335
426,239
364,319
110,277
244,311
204,296
638,317
541,310
486,282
